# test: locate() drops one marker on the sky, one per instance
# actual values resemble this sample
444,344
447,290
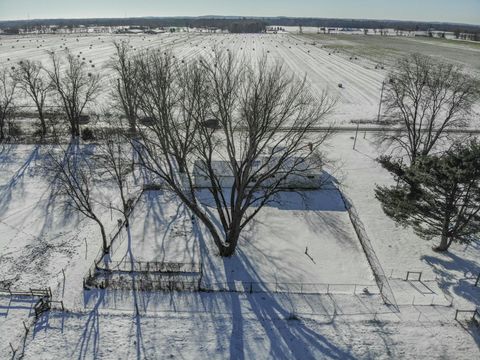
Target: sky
460,11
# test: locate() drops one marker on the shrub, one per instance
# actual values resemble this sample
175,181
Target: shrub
88,134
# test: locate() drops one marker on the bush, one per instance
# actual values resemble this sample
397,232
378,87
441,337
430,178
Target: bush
88,134
14,129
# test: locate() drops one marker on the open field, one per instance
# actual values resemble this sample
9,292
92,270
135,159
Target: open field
311,56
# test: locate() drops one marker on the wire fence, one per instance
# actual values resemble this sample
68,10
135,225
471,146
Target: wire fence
144,283
290,288
150,266
380,277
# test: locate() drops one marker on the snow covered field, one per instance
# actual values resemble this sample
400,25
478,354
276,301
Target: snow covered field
312,56
305,240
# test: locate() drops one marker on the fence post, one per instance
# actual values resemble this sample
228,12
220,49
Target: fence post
328,288
355,289
251,287
456,314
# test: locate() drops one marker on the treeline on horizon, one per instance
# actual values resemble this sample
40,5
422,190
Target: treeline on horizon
242,24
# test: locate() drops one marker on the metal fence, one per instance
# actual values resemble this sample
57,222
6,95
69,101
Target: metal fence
380,277
290,288
46,292
150,266
469,315
144,284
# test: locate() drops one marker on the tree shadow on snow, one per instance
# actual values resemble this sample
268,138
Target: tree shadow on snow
446,266
288,336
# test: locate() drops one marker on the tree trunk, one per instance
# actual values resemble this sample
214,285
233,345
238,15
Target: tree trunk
232,240
445,243
446,238
42,123
132,123
105,245
182,165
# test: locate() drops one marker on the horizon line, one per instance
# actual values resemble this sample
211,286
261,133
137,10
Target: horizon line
242,16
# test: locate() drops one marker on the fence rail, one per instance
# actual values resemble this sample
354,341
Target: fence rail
474,313
47,292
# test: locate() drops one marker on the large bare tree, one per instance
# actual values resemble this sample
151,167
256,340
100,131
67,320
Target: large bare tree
164,87
33,81
8,85
426,98
74,85
125,94
263,117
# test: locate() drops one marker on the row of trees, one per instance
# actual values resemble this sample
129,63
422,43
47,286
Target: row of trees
168,105
65,83
438,185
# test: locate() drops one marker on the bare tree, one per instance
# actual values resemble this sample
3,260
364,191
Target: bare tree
75,174
264,117
126,94
8,85
32,81
427,98
114,159
165,87
74,85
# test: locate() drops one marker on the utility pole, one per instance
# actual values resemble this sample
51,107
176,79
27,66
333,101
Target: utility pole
380,104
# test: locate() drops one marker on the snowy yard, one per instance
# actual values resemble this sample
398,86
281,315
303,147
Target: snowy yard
301,238
303,244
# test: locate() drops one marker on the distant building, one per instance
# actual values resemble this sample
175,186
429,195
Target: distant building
306,176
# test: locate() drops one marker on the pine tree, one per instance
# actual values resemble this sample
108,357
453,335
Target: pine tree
438,196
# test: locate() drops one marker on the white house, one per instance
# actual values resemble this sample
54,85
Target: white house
306,175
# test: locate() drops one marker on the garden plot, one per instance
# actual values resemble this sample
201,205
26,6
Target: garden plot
302,238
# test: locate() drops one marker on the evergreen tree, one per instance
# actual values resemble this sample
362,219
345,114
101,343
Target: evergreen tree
438,196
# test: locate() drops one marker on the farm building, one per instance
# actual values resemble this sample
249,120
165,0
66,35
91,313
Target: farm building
306,176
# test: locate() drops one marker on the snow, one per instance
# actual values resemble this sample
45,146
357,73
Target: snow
258,326
272,250
302,239
323,68
399,249
160,231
